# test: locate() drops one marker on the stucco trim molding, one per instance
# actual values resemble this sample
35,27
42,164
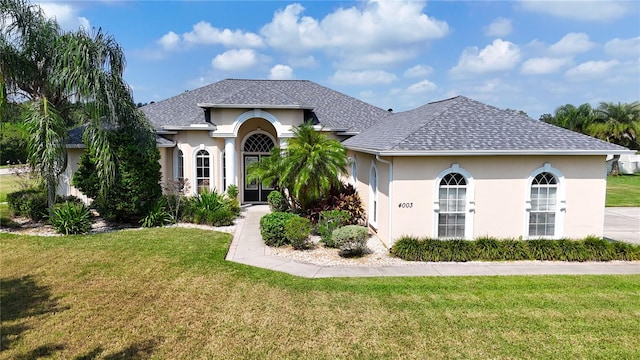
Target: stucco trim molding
281,130
470,208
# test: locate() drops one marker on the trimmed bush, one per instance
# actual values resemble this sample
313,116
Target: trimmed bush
31,203
71,218
489,249
277,202
232,191
272,228
351,240
329,221
297,231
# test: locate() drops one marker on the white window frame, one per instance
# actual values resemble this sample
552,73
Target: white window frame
469,200
195,167
374,204
561,202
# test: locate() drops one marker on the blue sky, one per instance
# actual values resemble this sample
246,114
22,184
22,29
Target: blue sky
525,55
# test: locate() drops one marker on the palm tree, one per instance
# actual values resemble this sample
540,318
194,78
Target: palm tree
306,170
52,69
314,163
617,123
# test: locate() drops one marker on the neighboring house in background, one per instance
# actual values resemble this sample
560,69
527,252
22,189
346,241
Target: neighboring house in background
453,168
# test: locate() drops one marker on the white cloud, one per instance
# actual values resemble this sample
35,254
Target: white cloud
599,11
383,29
305,61
500,27
499,56
418,71
169,41
368,77
544,65
281,72
623,47
572,43
203,33
66,15
591,70
421,87
235,60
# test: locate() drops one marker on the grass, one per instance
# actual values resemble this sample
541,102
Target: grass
623,190
168,294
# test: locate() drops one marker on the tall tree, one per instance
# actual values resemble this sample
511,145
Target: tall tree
571,117
42,64
617,123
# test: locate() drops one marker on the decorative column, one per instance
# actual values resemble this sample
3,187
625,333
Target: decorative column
282,143
230,161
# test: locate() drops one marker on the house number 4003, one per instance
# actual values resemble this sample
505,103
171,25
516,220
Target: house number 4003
405,205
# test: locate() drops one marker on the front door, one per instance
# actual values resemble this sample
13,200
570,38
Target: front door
254,191
257,146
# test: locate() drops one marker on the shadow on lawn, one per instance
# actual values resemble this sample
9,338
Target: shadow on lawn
136,351
22,298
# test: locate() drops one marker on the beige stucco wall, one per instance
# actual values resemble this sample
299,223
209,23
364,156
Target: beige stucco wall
501,188
190,142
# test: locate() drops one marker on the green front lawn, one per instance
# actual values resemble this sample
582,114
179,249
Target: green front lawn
623,190
168,294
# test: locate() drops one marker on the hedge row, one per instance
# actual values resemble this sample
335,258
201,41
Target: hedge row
491,249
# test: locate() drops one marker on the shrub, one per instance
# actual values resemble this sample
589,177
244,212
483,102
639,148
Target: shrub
408,248
343,197
589,249
351,240
277,202
232,191
31,203
158,215
329,221
136,186
233,205
272,228
71,218
297,231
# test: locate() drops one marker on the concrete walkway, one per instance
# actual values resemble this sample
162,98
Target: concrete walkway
248,248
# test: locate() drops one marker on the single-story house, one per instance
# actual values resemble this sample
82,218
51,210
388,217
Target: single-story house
455,168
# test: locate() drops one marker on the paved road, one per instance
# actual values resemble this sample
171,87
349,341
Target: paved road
622,223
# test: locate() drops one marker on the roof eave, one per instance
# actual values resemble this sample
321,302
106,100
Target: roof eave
487,152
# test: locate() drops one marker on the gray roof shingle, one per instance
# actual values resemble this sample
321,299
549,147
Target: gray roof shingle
333,109
461,124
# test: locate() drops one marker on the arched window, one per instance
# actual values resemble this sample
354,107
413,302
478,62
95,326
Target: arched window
180,167
354,171
258,143
546,204
203,171
544,200
453,206
373,195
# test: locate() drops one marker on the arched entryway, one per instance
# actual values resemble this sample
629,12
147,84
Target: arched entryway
255,146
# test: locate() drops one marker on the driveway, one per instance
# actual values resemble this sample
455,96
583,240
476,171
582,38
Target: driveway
622,223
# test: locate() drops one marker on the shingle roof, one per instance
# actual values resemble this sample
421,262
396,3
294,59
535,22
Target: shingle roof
461,124
75,138
333,109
